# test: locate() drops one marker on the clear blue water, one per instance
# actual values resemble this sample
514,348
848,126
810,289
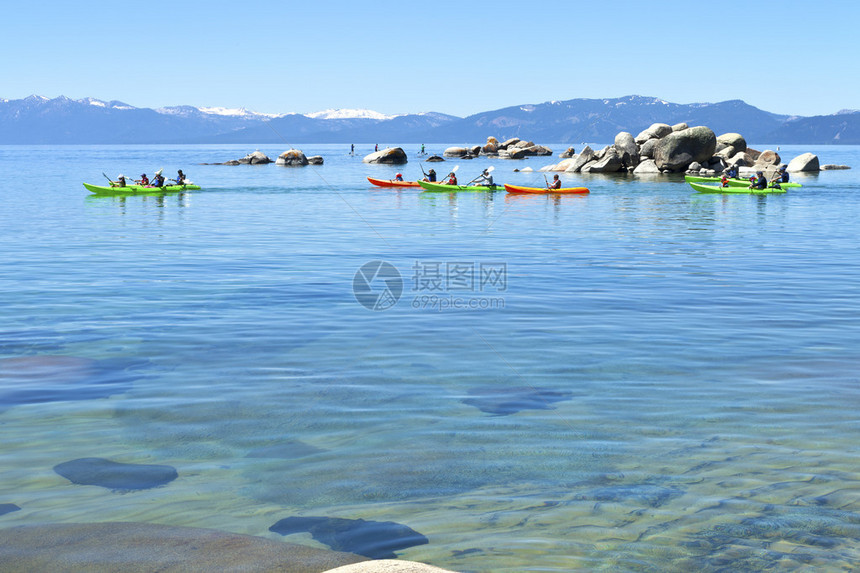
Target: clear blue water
665,381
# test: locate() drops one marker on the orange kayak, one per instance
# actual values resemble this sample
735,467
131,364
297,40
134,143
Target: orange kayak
519,189
392,183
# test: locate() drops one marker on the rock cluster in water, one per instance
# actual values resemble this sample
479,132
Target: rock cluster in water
664,148
514,148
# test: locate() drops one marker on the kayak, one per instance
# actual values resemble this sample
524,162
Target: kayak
705,188
442,188
392,182
139,189
732,182
520,189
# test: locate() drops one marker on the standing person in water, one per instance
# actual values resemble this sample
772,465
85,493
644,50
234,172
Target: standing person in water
376,148
352,149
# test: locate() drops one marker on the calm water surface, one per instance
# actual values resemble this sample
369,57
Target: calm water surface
641,379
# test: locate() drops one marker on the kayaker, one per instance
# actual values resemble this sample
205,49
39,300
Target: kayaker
484,179
144,180
431,176
180,178
398,177
724,182
760,181
556,182
158,180
120,181
732,171
783,175
450,180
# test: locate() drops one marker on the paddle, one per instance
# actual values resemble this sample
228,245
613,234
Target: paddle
488,170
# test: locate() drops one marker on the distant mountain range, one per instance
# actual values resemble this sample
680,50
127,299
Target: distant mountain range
40,120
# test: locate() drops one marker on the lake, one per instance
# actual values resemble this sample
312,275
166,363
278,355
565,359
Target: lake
638,379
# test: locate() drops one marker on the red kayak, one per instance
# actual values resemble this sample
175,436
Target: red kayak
519,189
392,183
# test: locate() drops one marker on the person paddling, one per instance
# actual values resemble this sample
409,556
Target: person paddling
398,177
484,179
158,180
120,181
431,176
760,181
180,178
556,182
144,180
783,175
450,180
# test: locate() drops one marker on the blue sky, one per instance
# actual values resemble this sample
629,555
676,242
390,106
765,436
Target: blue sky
458,57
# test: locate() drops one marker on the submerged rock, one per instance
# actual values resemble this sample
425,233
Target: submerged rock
144,548
510,400
55,378
115,475
434,159
374,539
8,508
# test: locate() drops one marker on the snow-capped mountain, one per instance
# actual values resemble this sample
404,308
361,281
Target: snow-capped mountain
349,114
40,120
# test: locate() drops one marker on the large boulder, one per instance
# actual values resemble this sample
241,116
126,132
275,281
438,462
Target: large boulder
805,162
292,158
742,159
564,164
647,149
680,148
140,547
456,152
610,163
434,159
656,131
315,160
646,167
768,158
586,155
540,150
388,156
491,147
256,158
512,141
735,140
626,147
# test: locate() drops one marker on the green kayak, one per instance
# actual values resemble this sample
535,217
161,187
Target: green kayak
442,188
139,189
732,182
705,188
